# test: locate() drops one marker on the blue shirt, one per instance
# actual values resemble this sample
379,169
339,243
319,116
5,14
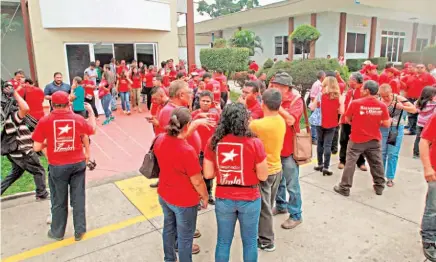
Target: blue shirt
52,87
79,102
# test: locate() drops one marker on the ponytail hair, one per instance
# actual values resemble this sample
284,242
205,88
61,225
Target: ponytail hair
180,117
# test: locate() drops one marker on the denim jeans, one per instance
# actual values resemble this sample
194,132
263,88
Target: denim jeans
417,139
290,182
313,129
125,101
114,99
227,212
180,223
105,102
428,226
390,153
324,147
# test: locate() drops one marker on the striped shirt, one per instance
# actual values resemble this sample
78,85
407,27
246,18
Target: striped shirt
15,125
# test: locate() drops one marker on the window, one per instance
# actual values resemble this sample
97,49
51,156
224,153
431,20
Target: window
355,43
78,59
421,43
146,53
392,45
124,52
281,45
104,53
298,50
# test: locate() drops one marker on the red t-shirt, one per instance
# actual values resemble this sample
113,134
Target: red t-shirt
34,97
416,83
352,94
329,111
149,79
15,83
136,79
123,85
178,162
296,110
164,118
214,87
204,132
384,78
366,115
120,69
63,131
89,91
235,161
255,110
395,85
254,66
102,92
222,79
429,133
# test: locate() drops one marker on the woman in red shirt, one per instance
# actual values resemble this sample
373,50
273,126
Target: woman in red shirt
331,103
238,159
136,89
106,97
89,93
123,87
180,187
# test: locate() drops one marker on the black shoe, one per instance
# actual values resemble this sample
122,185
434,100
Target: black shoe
50,235
334,152
318,168
154,185
211,201
338,190
378,190
429,251
42,198
268,248
326,172
78,236
91,165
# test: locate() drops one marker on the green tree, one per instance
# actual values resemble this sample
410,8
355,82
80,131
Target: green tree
247,39
220,43
225,7
8,24
304,35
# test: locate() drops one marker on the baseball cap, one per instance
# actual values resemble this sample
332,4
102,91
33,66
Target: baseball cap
393,70
60,98
367,62
283,79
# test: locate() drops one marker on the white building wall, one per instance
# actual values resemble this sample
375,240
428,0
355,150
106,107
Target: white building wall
360,25
396,26
328,25
424,31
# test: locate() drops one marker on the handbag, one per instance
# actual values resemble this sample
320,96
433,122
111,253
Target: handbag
150,167
302,140
393,134
315,118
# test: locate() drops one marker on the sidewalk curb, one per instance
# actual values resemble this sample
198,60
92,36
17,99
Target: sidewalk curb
17,195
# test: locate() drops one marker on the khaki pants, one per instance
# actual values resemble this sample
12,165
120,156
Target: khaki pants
135,97
372,152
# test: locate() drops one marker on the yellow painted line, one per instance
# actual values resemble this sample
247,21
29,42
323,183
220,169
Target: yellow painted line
70,241
138,191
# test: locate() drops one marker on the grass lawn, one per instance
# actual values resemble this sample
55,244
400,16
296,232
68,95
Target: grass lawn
24,183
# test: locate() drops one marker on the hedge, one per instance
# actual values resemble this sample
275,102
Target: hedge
414,57
429,55
227,59
355,65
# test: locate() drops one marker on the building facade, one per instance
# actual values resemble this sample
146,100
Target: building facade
347,29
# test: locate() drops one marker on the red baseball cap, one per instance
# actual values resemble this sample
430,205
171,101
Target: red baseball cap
60,98
393,70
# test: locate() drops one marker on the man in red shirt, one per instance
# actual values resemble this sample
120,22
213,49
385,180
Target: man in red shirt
427,150
249,95
18,79
213,86
34,96
291,110
355,82
122,67
148,82
415,85
370,73
62,133
254,66
160,99
251,75
366,116
206,111
384,78
222,79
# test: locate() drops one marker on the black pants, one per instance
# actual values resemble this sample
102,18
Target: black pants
345,137
31,164
60,178
336,138
147,91
224,97
208,182
324,147
417,140
82,113
92,103
412,118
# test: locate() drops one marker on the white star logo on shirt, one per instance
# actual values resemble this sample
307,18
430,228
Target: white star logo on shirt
229,156
65,129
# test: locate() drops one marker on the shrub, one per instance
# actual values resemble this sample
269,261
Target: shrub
220,43
429,55
240,78
303,35
356,64
268,63
227,59
414,57
247,39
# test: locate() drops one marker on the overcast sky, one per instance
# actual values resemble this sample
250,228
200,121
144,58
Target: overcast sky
199,18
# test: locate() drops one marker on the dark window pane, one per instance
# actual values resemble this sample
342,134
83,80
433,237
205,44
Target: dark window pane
395,50
351,43
78,58
145,53
307,48
396,33
278,43
389,51
124,52
383,46
384,32
104,53
390,33
360,43
400,49
297,49
403,34
286,45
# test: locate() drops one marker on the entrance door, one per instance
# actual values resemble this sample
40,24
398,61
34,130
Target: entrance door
104,53
146,53
78,59
124,52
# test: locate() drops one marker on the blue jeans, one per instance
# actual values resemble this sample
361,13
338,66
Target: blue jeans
180,223
125,101
324,147
389,152
428,226
227,212
313,129
290,182
105,102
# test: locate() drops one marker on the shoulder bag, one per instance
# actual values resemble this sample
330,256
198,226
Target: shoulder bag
150,167
393,134
302,141
315,118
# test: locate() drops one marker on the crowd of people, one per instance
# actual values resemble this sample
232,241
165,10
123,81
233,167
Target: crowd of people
247,147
